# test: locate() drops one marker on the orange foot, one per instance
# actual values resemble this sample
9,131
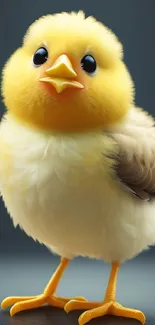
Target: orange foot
24,303
47,297
102,309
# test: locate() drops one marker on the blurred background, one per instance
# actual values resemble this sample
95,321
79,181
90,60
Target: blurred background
25,266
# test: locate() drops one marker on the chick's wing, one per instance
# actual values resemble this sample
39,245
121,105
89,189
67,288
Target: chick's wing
135,158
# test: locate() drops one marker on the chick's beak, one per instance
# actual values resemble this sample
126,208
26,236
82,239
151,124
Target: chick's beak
61,75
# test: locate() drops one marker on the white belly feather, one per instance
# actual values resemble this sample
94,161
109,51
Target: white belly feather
59,190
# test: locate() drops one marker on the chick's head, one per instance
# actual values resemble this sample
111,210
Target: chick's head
68,76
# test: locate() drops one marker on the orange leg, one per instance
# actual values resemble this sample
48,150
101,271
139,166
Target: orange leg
108,307
24,303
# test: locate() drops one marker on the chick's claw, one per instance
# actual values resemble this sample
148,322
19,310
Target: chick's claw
62,302
94,313
80,305
111,308
119,310
13,300
25,303
95,310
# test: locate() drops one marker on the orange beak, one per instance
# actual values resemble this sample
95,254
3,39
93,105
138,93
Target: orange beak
61,75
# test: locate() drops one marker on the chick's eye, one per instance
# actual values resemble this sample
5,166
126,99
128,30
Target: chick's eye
40,56
88,64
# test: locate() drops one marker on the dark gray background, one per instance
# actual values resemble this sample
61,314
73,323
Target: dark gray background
25,266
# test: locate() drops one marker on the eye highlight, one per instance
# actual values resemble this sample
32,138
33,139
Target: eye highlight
40,56
88,64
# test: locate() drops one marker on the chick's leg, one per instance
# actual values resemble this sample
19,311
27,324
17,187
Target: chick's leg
108,307
24,303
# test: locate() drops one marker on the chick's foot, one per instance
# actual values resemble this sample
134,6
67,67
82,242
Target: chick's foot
102,309
25,303
47,297
109,306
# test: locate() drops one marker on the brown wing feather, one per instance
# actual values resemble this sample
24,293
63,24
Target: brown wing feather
135,159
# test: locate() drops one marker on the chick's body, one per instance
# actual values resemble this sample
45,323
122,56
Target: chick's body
77,168
61,190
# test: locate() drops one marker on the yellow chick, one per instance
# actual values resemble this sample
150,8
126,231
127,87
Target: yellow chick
77,168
